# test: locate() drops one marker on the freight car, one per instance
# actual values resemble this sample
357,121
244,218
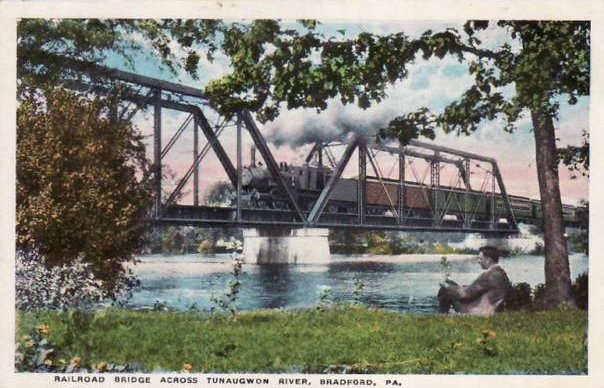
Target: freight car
382,197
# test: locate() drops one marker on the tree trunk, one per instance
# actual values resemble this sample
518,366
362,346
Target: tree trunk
557,272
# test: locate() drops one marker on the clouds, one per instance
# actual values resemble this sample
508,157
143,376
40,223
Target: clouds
433,84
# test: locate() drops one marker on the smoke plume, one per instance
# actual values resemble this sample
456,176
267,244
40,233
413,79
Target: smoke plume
336,123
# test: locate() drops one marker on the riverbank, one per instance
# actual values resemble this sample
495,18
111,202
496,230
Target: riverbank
333,339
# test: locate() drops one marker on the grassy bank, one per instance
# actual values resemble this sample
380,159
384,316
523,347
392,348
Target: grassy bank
337,339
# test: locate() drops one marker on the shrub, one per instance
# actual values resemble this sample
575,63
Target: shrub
519,297
539,297
226,302
538,250
172,241
38,287
36,352
581,290
358,290
206,247
80,195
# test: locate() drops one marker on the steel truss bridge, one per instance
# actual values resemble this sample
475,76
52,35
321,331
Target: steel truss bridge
412,200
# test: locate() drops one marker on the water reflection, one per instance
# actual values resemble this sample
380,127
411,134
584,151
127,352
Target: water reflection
274,285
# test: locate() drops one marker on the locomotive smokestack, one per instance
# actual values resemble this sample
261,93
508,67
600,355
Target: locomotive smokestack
320,156
253,156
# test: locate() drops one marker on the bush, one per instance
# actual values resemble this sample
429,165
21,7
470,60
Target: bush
226,302
80,195
38,287
581,290
172,242
519,297
36,352
539,297
206,247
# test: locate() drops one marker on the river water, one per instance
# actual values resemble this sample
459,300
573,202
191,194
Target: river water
404,283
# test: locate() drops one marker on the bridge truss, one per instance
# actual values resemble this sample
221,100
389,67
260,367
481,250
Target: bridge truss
434,188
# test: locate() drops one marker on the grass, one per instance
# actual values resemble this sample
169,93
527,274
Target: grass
340,338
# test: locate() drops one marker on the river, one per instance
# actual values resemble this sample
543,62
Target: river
404,283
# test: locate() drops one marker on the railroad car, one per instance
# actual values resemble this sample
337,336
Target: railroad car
382,197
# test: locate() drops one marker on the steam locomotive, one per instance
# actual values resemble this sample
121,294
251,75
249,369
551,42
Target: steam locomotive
306,183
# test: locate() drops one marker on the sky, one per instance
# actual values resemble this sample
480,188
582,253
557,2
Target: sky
434,84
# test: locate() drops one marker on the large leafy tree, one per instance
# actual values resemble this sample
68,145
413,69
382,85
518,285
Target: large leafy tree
275,67
79,167
79,194
551,63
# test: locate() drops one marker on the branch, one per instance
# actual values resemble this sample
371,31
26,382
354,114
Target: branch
481,53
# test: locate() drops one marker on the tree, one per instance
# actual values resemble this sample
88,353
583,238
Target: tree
78,188
43,44
172,241
552,62
221,193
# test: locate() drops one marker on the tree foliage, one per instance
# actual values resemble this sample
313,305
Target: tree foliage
553,60
42,43
79,194
576,158
220,193
276,65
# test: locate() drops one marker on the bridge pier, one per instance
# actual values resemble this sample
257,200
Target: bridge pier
283,246
524,241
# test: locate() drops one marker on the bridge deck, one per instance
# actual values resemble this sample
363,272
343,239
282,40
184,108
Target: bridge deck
227,217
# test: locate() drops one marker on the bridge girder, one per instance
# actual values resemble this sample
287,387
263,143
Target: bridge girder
161,95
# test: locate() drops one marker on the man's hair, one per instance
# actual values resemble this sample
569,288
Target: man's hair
490,252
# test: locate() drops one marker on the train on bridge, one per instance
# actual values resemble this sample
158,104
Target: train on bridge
260,191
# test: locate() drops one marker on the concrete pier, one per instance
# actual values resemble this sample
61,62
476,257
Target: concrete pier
525,241
282,246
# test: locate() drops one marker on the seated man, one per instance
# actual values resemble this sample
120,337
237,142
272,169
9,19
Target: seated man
484,295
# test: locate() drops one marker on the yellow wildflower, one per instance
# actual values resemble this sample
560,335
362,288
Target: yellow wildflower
102,366
48,362
187,368
44,329
489,334
77,361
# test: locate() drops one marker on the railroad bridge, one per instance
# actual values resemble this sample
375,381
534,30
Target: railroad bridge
341,184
